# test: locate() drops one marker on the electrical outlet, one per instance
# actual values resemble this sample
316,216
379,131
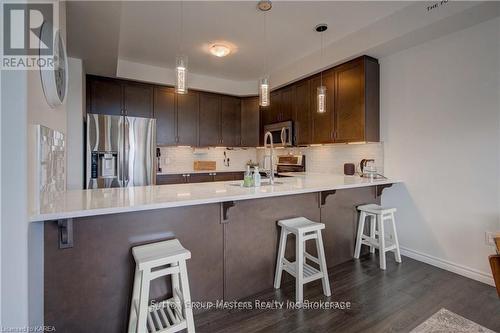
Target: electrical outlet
489,238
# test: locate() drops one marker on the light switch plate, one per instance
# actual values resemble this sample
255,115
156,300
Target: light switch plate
489,235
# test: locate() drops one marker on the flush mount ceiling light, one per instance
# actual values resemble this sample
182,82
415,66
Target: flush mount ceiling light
264,5
220,50
321,91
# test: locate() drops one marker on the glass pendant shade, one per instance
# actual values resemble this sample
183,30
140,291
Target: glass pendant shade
264,92
181,75
321,99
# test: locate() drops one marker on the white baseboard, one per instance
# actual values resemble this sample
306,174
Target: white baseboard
449,266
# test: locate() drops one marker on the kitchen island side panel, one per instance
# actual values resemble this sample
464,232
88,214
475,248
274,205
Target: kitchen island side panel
251,240
88,287
340,216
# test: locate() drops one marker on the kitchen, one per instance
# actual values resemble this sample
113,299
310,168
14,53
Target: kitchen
166,169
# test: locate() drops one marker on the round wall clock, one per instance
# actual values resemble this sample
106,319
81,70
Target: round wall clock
55,79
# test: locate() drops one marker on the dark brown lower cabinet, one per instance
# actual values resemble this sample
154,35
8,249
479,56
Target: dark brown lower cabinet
200,177
88,287
170,179
226,176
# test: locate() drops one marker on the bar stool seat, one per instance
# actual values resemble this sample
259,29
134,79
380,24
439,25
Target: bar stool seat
377,216
303,229
167,258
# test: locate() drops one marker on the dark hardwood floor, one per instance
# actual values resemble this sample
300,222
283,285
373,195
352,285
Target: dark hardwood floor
396,300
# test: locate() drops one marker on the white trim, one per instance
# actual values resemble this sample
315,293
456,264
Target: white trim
449,266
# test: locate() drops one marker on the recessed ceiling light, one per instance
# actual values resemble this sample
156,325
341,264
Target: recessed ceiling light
220,50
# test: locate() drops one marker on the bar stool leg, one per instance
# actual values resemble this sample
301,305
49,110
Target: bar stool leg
134,306
397,253
143,302
279,261
322,264
299,268
359,237
381,240
188,311
373,228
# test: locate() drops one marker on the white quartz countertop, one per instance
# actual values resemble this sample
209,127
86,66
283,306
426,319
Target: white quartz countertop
80,203
161,173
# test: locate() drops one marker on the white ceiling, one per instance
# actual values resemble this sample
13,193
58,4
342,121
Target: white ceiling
139,40
148,32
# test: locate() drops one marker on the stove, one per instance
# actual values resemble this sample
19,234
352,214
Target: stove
291,163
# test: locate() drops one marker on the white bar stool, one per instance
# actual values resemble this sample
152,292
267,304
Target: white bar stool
303,229
377,215
172,315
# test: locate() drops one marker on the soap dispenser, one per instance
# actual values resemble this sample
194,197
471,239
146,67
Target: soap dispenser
247,179
256,176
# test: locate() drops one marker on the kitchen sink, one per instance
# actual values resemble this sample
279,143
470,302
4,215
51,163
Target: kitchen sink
261,184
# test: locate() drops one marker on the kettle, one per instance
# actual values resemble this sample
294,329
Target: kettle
368,168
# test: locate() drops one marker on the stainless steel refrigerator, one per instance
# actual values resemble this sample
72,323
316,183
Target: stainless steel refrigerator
120,151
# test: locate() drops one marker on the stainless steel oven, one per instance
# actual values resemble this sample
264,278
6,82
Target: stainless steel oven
282,133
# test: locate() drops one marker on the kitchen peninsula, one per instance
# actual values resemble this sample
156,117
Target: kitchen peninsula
230,230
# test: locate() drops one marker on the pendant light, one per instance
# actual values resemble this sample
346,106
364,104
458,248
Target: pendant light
321,91
264,99
181,61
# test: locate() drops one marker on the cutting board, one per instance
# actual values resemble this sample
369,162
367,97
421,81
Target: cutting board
204,165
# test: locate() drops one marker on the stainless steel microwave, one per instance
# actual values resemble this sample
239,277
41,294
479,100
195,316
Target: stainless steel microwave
282,133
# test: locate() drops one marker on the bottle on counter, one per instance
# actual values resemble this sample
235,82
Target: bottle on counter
256,177
248,179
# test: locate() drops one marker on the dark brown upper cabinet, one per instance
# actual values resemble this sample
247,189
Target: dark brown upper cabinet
165,112
302,114
220,120
356,116
231,121
274,108
250,121
119,97
269,114
210,119
322,123
188,106
138,100
104,96
287,103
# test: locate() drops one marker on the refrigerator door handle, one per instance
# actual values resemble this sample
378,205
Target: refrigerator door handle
120,152
126,152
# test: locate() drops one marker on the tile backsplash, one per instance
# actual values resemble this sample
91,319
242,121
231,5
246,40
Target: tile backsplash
180,159
331,158
327,158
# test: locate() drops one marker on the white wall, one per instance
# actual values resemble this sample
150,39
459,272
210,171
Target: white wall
14,241
441,131
162,75
38,112
23,105
75,104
